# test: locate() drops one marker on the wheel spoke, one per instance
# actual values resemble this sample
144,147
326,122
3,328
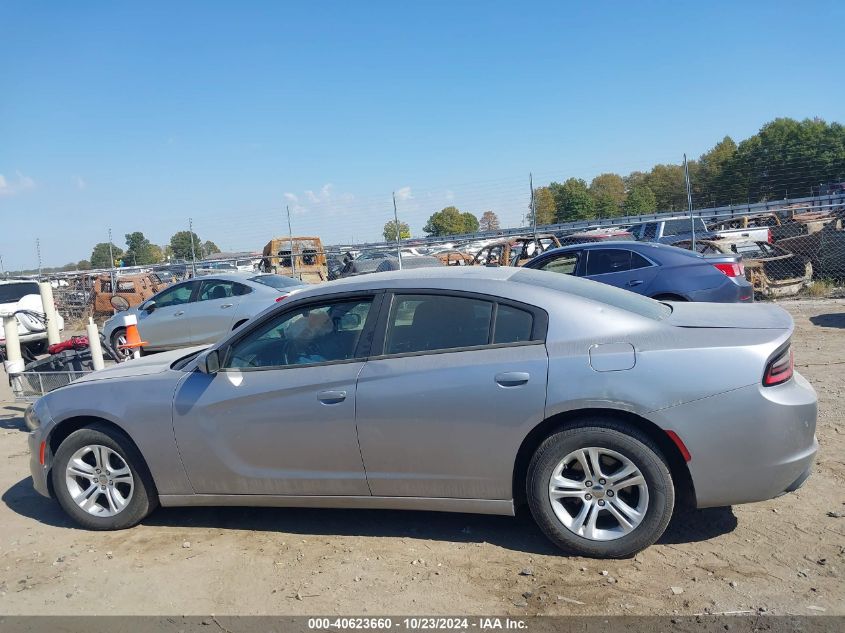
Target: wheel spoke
578,521
566,494
626,471
590,528
594,460
635,515
581,456
633,481
623,521
80,469
87,500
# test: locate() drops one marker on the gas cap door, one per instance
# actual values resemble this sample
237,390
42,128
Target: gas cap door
612,357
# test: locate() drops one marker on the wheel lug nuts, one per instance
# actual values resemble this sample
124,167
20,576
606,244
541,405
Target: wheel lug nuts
609,493
588,496
588,483
601,502
602,481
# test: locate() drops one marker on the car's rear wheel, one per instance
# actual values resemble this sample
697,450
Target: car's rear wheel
101,480
600,489
118,338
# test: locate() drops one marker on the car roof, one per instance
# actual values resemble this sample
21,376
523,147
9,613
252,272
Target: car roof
644,248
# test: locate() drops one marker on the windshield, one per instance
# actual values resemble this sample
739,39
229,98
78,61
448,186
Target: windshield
276,281
594,291
680,227
12,293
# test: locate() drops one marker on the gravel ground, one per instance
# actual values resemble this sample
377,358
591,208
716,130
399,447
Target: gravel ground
784,556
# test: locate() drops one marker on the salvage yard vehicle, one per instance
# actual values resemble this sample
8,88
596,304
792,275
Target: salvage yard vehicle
670,230
199,311
22,297
454,257
772,270
514,251
824,248
659,271
463,389
307,262
595,235
134,289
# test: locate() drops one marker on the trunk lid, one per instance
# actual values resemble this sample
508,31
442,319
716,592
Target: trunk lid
756,316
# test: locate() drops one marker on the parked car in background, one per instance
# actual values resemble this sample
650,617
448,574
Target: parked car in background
514,251
453,257
212,267
772,270
659,271
24,297
464,389
670,230
596,235
825,248
201,310
307,262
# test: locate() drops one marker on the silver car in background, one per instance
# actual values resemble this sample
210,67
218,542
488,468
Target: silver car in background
466,389
202,310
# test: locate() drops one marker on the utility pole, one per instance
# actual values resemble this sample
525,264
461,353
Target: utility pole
533,209
290,236
38,250
193,255
689,201
2,269
111,266
398,232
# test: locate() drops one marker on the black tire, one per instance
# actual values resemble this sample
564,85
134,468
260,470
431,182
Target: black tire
605,433
144,497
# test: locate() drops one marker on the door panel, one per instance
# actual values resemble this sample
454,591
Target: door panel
449,424
169,324
213,313
287,431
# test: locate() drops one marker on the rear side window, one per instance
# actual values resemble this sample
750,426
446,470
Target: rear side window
650,231
424,323
638,261
565,264
512,325
602,261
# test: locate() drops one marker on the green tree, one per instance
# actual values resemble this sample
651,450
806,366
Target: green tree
572,200
640,200
608,193
390,229
450,221
489,221
209,248
139,250
83,264
669,186
180,244
470,222
711,164
544,204
100,255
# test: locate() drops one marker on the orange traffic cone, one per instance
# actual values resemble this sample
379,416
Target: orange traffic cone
133,336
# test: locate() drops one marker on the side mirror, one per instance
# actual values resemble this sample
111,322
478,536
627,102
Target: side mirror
209,362
148,306
119,303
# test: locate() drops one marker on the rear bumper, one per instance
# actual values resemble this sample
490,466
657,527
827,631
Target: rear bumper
732,290
749,444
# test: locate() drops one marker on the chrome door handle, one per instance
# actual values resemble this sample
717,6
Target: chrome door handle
180,313
331,397
634,282
512,378
226,305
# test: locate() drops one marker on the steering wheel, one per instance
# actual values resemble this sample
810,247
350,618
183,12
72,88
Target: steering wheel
294,350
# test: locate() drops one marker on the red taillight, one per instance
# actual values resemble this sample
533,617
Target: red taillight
736,269
282,297
769,239
780,368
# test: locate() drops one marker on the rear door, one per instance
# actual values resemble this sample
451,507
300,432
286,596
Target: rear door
620,267
442,410
168,325
213,312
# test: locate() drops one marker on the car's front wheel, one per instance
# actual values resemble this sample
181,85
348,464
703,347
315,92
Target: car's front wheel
101,480
600,489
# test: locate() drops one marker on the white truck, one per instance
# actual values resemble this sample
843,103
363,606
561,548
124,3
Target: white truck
22,296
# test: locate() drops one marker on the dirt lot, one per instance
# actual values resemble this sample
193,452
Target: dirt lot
782,556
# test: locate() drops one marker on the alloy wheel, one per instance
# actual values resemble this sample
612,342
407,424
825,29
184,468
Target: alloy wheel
99,480
598,494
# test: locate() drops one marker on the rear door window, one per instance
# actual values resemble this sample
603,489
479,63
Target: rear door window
567,264
512,325
603,261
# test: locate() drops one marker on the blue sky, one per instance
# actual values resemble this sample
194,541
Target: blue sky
138,116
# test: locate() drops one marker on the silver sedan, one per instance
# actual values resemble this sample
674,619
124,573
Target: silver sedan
201,311
455,389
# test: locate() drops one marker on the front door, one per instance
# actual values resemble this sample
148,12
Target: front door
443,411
279,417
168,324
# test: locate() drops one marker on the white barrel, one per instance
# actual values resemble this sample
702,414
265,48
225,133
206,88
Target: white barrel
94,344
49,304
